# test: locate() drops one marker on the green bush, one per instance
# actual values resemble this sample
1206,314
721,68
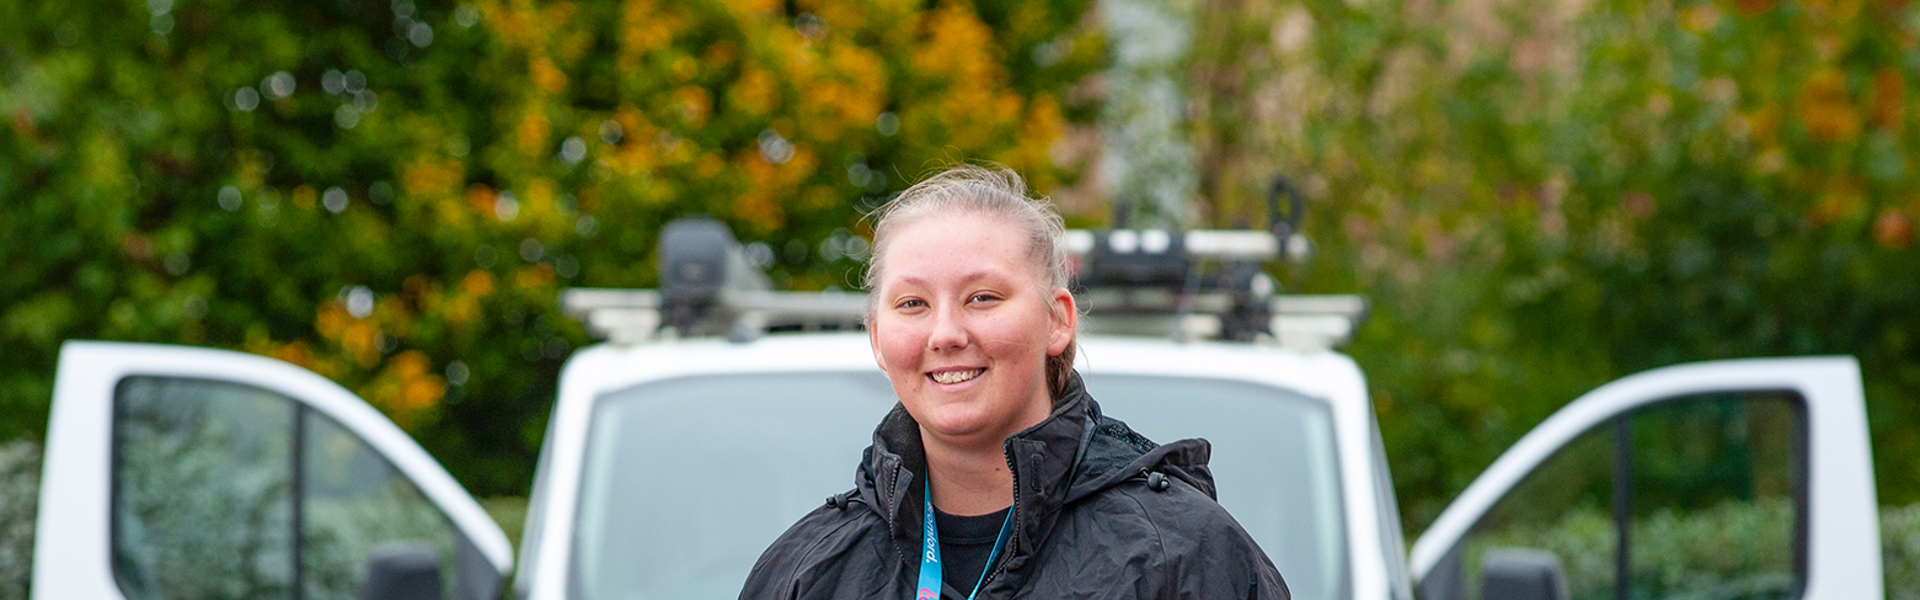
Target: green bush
510,513
19,499
1900,551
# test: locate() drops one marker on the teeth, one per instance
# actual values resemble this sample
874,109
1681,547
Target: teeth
957,376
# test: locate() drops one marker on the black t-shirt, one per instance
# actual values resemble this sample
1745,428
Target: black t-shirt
965,543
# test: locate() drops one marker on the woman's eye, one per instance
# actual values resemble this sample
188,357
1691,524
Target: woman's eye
978,298
910,303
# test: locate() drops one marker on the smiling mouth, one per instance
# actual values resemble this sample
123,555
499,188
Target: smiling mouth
951,377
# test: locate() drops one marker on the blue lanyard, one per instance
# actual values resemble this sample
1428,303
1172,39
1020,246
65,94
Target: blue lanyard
930,557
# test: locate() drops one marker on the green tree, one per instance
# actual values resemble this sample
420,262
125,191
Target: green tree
1543,196
391,193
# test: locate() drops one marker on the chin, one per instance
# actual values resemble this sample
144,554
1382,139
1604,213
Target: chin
953,420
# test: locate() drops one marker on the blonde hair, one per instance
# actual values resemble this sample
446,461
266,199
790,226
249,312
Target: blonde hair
996,193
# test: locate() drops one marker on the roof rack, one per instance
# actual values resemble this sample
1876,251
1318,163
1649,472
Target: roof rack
634,316
629,316
1130,282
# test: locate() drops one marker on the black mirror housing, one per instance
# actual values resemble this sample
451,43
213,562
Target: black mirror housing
1522,574
402,572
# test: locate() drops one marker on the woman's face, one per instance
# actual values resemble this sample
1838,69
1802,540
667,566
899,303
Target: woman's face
963,326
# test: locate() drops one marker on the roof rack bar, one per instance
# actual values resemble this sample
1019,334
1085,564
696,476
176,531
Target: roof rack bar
1317,320
1352,305
634,316
580,302
811,306
1232,244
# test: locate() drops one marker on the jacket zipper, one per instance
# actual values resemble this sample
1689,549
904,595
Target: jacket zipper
1014,515
892,519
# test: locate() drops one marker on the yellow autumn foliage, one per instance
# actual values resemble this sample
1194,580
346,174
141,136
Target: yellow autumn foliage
402,218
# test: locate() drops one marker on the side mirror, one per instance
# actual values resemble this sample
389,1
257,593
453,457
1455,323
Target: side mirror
1521,574
402,572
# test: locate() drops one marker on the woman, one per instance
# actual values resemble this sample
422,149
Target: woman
996,476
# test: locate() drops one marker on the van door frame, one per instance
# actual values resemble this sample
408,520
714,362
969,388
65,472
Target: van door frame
77,469
1843,520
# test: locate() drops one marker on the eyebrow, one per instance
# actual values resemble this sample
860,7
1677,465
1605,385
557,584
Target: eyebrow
975,275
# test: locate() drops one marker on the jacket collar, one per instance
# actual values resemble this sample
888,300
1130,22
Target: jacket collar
1043,458
1074,453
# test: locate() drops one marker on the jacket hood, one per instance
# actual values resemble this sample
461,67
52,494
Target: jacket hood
1074,453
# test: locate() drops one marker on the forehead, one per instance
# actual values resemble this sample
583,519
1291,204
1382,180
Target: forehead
955,246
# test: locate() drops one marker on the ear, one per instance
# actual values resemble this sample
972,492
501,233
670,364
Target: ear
1066,318
873,342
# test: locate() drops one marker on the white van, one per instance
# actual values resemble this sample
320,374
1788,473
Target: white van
679,449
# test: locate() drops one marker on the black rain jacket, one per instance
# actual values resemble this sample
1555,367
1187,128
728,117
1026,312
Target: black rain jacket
1099,512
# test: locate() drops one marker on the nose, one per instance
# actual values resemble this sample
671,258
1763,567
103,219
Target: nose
949,330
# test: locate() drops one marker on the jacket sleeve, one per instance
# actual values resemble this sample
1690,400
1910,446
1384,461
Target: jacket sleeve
1210,556
776,574
823,555
773,575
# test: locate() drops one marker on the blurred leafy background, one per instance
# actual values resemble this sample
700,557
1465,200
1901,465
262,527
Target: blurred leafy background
392,193
1539,195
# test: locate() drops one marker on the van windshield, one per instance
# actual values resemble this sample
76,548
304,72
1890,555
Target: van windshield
688,480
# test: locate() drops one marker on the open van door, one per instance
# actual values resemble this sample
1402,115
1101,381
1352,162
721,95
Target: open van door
1730,480
175,472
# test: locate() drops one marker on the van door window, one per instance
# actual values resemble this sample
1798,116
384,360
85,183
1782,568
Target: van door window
1563,508
202,490
212,480
1692,497
354,502
1713,498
